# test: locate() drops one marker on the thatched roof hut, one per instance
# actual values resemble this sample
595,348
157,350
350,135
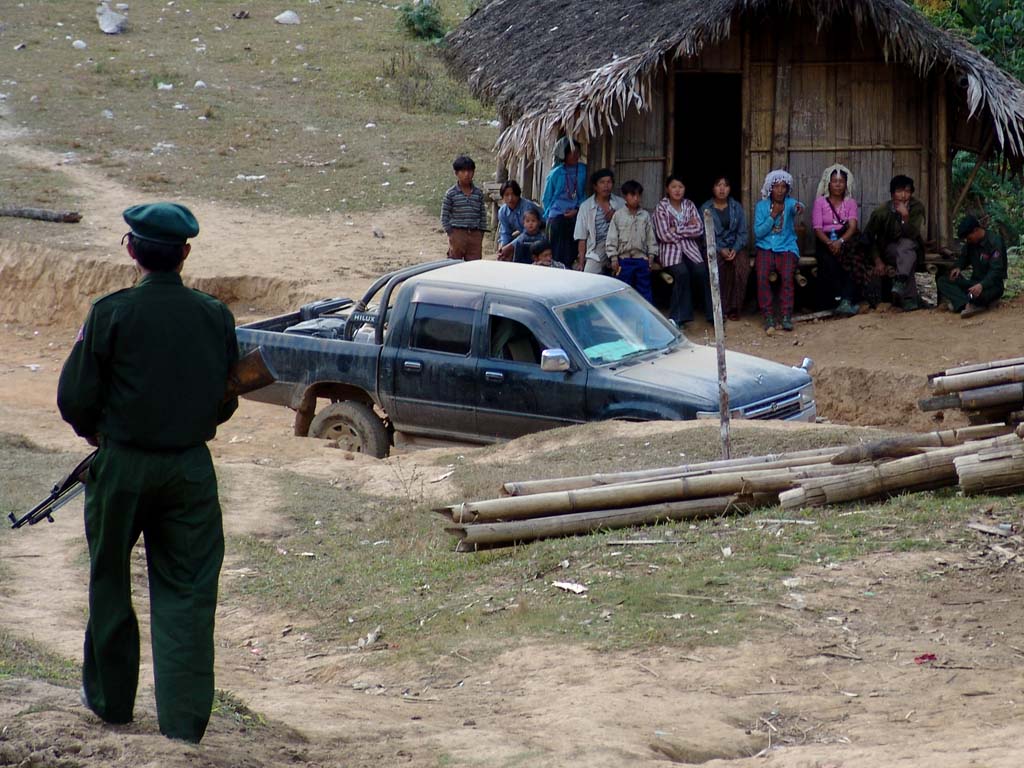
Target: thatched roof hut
700,87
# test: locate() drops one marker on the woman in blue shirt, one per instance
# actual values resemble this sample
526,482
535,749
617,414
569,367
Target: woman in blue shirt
510,214
564,190
777,249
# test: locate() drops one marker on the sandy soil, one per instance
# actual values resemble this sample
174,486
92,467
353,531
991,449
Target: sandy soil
841,688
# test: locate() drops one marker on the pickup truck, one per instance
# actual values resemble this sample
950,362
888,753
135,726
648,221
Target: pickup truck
485,351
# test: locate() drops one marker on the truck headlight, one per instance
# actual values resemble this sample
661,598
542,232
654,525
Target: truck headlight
807,396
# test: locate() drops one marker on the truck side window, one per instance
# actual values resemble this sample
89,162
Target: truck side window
442,329
511,340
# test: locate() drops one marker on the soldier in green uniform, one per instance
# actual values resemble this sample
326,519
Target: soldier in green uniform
146,382
984,255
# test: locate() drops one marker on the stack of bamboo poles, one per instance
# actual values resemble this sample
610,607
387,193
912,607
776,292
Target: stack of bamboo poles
568,506
985,392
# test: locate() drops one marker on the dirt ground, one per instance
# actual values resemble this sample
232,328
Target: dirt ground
840,689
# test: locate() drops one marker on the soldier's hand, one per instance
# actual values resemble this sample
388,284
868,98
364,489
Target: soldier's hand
974,291
954,274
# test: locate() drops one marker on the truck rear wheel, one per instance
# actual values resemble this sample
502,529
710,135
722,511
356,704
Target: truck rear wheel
355,427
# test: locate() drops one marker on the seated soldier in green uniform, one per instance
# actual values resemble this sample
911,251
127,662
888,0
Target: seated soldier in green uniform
146,382
984,255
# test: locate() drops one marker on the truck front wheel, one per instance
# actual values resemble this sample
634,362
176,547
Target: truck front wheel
354,426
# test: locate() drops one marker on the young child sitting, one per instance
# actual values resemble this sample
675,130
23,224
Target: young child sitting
519,249
543,256
464,213
631,242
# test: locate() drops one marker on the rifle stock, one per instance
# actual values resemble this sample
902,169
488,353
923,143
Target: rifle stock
249,373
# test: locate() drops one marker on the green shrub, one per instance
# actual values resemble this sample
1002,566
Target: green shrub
422,20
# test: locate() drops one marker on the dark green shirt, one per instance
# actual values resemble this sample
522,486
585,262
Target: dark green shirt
986,260
150,366
886,226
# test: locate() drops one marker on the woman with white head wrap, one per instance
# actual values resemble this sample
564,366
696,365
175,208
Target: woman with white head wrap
777,249
834,217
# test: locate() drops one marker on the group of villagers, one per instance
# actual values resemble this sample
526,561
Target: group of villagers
613,234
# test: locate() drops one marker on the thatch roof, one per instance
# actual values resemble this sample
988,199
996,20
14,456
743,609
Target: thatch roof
577,66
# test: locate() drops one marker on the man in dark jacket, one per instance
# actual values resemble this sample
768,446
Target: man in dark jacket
984,256
146,382
896,233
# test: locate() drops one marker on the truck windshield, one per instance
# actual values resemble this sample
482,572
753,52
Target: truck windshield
616,326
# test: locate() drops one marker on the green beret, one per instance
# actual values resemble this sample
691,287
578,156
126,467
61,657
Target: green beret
967,225
169,223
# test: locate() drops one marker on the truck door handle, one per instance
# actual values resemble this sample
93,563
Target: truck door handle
414,366
494,376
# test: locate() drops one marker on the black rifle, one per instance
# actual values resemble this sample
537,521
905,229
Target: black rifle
250,373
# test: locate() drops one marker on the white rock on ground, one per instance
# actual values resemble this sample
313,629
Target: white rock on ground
288,17
111,22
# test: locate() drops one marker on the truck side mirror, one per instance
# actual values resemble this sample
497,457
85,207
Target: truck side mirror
554,360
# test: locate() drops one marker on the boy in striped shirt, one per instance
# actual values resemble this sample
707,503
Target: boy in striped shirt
464,213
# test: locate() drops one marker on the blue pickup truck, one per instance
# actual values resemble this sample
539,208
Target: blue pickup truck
485,351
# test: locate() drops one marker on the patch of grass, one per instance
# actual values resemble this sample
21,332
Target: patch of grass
228,705
1014,273
29,659
28,185
389,563
28,473
289,102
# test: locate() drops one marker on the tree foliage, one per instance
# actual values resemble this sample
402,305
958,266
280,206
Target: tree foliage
423,20
996,28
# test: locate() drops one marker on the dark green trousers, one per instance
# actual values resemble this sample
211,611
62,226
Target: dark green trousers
955,291
171,499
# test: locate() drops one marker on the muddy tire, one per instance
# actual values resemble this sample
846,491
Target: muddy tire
354,426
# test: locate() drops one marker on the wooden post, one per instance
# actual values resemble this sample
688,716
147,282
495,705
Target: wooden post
501,174
783,100
746,170
41,214
716,301
670,117
942,228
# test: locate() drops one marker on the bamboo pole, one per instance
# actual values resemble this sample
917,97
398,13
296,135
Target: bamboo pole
585,522
912,445
973,175
767,461
638,494
976,399
716,303
934,469
977,367
997,470
1009,374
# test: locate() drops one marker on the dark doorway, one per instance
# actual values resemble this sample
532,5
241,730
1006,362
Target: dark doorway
709,133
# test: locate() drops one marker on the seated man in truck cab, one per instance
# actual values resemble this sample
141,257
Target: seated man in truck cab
511,340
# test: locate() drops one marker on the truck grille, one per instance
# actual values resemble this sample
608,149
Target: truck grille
784,406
